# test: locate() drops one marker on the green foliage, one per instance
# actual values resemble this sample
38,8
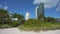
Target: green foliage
48,23
3,16
38,25
20,17
6,21
50,19
4,13
41,17
14,23
5,26
31,24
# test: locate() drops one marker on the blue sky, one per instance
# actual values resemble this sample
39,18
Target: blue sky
52,7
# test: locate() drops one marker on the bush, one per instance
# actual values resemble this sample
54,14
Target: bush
14,23
50,19
37,25
11,24
5,26
31,24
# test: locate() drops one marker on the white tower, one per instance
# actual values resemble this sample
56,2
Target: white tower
36,12
27,15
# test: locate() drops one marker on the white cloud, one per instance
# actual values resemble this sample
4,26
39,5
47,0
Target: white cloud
47,3
5,7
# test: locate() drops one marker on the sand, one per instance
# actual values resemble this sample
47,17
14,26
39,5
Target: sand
17,31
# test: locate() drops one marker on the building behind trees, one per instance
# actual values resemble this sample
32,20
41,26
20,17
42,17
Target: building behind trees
40,11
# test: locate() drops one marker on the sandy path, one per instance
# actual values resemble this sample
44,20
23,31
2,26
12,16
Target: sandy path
17,31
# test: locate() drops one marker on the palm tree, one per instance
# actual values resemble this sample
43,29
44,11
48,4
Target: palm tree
18,16
3,15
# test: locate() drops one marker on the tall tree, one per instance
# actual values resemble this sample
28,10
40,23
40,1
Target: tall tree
4,15
18,16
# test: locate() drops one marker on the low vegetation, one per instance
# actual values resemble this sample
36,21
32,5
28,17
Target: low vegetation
48,23
6,19
37,25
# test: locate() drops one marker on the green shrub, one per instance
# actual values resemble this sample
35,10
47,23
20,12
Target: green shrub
5,26
14,23
37,25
